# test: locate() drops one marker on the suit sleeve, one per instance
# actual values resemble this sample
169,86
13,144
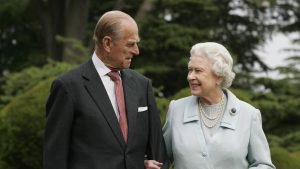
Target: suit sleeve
259,153
59,115
156,148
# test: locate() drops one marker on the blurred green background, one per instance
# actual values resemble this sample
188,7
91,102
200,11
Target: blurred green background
40,39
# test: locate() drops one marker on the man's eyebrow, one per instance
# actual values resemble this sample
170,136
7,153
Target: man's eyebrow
134,40
137,39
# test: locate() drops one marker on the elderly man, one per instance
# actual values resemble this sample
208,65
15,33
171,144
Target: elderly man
103,115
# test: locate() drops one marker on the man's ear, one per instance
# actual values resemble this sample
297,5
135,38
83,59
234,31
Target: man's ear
106,42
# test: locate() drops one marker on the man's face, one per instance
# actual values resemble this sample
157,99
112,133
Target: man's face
124,47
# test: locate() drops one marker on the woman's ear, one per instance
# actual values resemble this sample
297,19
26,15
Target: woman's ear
219,80
106,42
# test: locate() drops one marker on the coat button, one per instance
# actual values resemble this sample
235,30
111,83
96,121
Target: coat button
233,111
204,154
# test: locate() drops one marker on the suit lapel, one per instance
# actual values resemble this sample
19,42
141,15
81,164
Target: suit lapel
97,91
131,101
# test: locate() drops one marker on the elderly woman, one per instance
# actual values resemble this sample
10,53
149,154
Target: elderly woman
213,129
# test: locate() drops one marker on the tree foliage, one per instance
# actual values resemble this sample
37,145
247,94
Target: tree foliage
175,25
20,32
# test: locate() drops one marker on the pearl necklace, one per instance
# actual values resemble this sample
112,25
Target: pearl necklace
211,121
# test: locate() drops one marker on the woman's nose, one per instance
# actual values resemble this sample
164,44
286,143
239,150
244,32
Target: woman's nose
190,76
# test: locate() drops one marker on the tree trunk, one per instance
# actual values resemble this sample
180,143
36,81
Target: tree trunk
57,19
52,16
66,18
43,13
145,7
76,14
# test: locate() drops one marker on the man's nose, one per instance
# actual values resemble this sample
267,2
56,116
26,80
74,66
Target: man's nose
136,50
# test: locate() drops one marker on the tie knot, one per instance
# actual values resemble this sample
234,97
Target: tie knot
114,75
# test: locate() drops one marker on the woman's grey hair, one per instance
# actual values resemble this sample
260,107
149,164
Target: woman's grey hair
219,57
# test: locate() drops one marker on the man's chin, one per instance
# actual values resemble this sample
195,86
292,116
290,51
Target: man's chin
126,66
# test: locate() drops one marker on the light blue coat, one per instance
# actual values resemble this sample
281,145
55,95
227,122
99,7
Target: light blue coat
239,142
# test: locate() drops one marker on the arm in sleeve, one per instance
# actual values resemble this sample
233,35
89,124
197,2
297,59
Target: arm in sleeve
59,115
156,148
259,153
167,132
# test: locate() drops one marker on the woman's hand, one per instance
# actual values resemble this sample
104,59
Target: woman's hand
152,164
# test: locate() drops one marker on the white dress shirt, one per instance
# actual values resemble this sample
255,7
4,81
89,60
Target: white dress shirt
107,82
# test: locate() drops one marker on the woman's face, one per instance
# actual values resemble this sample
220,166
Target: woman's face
202,81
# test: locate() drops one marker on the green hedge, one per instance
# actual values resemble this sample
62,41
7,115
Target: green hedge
22,126
283,159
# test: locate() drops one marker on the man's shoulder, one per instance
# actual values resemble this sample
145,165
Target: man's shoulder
134,74
78,70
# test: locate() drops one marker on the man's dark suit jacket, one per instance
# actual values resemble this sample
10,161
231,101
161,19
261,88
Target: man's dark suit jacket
82,130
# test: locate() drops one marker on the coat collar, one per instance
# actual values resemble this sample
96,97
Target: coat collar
232,111
230,117
191,112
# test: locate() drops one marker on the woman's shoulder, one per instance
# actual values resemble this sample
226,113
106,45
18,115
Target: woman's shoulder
238,103
183,101
248,111
246,105
243,109
179,106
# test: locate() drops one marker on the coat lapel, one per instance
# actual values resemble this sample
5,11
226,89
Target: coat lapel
191,111
131,101
96,89
232,111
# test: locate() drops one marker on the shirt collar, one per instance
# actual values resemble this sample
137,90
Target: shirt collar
100,66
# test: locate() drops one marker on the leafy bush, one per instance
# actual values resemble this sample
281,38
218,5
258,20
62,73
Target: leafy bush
290,141
21,126
163,105
282,159
22,115
182,93
18,82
